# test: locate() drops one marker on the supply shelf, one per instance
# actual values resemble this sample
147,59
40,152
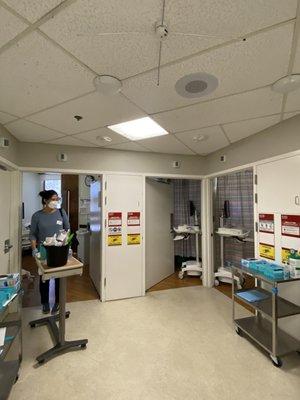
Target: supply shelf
263,327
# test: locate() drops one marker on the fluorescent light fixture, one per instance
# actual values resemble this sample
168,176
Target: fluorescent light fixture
138,129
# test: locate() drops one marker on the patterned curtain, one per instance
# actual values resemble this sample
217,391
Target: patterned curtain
185,191
237,188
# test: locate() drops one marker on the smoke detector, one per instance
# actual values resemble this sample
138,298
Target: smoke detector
196,85
107,85
287,84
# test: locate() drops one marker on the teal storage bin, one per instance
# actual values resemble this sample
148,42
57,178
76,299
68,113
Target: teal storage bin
4,296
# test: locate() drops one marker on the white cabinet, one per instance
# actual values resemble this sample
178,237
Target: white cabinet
279,186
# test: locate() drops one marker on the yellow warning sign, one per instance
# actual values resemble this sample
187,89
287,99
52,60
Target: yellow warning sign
133,238
114,240
285,254
267,251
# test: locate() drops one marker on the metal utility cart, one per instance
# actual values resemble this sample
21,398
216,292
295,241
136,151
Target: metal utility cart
263,326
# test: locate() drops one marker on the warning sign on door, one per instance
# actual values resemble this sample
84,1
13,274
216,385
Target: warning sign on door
290,225
285,254
266,223
114,219
133,238
133,218
114,240
267,251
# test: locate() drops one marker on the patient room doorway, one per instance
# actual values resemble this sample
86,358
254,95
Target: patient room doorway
74,191
172,233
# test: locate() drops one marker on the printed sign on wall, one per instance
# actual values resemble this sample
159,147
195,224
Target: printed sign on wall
266,223
290,225
114,240
133,218
266,236
267,251
133,238
114,219
114,237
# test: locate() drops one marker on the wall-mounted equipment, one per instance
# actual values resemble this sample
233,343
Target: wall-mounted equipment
4,142
62,157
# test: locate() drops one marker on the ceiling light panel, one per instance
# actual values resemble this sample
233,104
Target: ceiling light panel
96,111
214,139
256,103
35,74
10,26
32,9
240,130
26,131
95,136
138,129
166,144
238,67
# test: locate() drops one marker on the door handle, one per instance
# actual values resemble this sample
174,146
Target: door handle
297,200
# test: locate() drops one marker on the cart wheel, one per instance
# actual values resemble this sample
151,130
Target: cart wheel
180,275
276,361
83,346
238,331
217,282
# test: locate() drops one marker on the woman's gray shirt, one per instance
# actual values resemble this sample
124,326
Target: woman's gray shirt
48,224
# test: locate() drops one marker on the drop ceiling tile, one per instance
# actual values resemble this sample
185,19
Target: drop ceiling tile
239,67
240,130
10,26
32,9
166,144
293,101
213,139
97,111
290,114
69,141
119,55
96,137
130,146
26,131
35,74
5,118
256,103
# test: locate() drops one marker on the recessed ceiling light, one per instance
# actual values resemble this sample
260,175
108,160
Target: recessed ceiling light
142,128
287,84
107,85
105,138
196,85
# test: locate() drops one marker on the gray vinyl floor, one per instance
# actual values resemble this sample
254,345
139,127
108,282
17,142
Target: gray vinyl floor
169,345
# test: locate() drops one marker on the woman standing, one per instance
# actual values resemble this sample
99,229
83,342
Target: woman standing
46,223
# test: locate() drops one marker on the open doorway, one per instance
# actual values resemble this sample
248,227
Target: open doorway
233,199
75,193
173,245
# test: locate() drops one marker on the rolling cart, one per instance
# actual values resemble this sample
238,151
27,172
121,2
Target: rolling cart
263,326
61,345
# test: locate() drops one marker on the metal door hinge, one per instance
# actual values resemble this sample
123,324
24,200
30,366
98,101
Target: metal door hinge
105,185
256,198
256,226
255,179
105,223
105,200
104,282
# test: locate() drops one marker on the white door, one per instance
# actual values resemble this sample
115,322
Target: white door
96,233
5,237
279,186
159,240
124,272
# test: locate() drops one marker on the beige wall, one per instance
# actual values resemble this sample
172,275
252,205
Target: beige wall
95,159
10,153
279,139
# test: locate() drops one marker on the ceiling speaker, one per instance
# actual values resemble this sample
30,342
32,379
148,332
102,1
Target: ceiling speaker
196,85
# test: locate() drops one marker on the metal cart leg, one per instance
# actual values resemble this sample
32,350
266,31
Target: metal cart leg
58,334
276,360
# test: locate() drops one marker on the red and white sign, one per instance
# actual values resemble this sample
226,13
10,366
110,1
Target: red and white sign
266,223
290,225
134,218
114,219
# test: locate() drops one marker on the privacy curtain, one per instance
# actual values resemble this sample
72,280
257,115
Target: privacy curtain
185,191
238,189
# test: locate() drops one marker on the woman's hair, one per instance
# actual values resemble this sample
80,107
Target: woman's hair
47,194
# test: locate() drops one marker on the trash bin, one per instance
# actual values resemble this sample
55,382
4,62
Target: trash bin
57,256
83,250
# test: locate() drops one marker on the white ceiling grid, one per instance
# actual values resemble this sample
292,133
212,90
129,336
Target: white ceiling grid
46,72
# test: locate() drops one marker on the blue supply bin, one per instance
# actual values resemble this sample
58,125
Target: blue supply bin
249,262
4,296
11,290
